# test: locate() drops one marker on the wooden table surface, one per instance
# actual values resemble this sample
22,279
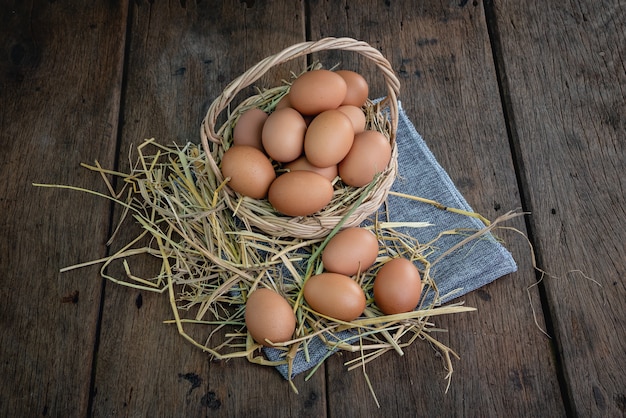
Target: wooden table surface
523,104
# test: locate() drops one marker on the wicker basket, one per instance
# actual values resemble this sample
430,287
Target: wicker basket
382,116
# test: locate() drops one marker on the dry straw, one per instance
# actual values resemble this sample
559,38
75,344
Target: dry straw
211,259
381,116
209,265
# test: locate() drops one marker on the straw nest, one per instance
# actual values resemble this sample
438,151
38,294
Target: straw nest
255,213
209,266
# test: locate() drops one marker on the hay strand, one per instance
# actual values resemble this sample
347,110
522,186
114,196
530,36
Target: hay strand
210,264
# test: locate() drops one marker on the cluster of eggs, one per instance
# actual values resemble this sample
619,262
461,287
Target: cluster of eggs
316,132
335,293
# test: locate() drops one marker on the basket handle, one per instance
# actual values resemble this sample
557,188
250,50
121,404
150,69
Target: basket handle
207,132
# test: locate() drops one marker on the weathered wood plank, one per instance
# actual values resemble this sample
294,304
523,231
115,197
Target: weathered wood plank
563,81
60,78
182,55
443,57
563,65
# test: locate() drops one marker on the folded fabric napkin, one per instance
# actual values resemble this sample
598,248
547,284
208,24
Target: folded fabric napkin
461,271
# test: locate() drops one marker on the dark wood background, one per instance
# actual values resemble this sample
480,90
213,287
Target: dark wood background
523,103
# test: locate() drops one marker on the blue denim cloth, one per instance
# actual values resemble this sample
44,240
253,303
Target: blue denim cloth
465,269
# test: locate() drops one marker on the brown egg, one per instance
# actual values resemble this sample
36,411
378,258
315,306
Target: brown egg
283,102
283,135
328,138
356,116
335,295
350,251
249,127
316,91
397,287
370,154
269,316
303,164
300,193
357,91
250,171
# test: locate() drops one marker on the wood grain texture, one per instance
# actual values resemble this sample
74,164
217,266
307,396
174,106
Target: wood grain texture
522,103
442,55
60,79
566,85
